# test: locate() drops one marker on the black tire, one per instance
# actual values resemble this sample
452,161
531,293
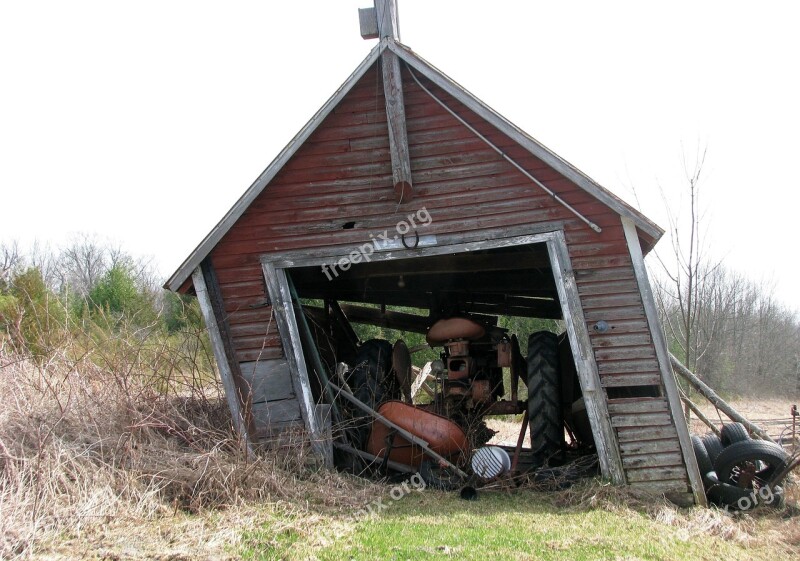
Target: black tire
371,383
732,433
727,495
713,446
703,460
749,453
544,398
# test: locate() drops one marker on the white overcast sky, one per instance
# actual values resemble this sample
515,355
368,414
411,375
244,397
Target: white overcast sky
143,122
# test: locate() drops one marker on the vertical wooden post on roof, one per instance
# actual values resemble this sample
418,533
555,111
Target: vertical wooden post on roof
210,306
389,30
662,353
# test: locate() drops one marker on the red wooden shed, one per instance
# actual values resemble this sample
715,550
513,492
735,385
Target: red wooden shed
406,190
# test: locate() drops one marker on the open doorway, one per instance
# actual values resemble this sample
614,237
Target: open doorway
456,333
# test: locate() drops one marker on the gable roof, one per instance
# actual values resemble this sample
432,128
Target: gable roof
646,226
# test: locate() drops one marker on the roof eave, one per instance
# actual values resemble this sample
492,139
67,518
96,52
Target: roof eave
183,272
524,139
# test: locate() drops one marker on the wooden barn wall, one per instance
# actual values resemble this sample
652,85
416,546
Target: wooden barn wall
343,173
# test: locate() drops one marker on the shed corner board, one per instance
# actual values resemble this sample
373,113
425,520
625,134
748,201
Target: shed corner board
662,354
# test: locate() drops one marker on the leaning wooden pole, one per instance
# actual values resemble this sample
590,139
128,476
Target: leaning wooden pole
700,415
718,402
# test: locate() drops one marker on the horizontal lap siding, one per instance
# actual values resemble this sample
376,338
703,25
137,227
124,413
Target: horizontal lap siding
343,174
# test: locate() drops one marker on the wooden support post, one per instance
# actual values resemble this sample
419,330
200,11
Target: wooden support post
223,353
718,402
662,354
594,397
280,296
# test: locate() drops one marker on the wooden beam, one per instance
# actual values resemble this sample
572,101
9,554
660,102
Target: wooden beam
716,400
388,19
222,356
662,353
594,397
280,296
396,120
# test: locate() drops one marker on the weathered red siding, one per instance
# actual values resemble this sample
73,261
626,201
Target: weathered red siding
343,173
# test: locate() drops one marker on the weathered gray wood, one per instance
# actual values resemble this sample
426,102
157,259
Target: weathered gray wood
471,241
400,430
593,394
715,399
396,121
218,347
638,405
388,19
323,413
642,420
652,460
636,433
368,23
656,474
269,380
629,380
662,353
278,289
282,411
650,446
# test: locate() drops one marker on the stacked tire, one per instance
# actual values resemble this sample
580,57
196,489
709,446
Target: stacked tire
739,472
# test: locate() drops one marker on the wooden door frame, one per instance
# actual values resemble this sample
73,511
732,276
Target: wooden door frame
275,266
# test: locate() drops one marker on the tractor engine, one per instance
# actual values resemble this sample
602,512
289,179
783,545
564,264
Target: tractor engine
469,376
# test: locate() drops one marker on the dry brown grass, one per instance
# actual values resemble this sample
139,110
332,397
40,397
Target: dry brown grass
87,456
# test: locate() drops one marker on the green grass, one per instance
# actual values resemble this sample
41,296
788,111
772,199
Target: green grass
498,526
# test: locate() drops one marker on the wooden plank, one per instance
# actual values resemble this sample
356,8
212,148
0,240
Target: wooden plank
282,411
656,474
235,405
629,406
627,366
593,394
641,420
642,352
267,353
667,459
664,486
269,380
614,339
662,353
280,297
650,446
636,433
630,380
396,116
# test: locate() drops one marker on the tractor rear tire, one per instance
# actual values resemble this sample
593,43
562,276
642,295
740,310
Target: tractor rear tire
372,383
544,398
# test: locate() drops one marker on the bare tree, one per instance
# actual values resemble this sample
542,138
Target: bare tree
10,260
